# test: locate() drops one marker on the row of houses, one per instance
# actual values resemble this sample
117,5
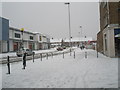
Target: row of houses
108,39
12,38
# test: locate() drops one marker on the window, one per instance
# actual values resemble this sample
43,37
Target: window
17,35
40,38
31,37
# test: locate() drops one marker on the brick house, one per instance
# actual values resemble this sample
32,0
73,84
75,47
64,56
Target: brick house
107,43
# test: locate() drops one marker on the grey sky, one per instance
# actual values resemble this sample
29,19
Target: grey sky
52,17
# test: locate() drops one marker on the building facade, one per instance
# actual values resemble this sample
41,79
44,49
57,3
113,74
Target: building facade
4,34
42,41
12,39
107,43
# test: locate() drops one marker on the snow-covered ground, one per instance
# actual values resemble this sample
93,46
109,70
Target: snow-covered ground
14,53
56,72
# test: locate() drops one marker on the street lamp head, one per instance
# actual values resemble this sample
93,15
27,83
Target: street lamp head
67,3
80,26
22,29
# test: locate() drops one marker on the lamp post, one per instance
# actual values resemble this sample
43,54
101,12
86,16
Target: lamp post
69,22
80,31
22,30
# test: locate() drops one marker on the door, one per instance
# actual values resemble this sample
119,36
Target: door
30,46
15,46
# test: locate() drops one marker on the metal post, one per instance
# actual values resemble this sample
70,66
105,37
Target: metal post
24,60
85,54
97,51
70,51
97,54
41,56
8,64
63,54
52,54
33,56
74,54
69,23
46,55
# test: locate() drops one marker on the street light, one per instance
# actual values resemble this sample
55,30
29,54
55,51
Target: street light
22,30
69,22
81,30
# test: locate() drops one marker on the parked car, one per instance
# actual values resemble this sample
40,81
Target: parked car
59,48
64,47
20,52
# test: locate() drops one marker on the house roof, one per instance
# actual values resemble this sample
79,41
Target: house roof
75,39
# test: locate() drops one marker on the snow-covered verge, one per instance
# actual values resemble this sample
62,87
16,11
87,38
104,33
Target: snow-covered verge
37,55
37,51
56,72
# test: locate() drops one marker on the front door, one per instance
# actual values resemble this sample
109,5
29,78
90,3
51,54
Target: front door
15,46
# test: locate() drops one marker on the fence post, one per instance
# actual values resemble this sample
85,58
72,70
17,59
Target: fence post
46,55
52,54
74,54
8,64
41,56
85,54
70,51
97,54
63,54
24,60
33,56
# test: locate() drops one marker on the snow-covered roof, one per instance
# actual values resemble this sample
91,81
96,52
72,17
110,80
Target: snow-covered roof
55,40
75,39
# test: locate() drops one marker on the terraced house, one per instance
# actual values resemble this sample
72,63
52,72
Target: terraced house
108,40
11,39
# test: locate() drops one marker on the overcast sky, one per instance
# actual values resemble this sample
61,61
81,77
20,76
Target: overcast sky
52,17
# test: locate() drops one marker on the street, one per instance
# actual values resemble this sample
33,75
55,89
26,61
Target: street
67,72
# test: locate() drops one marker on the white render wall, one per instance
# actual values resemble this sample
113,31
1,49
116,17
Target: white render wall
110,52
4,46
10,45
26,45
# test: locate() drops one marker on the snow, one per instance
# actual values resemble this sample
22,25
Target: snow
74,39
56,72
14,53
44,51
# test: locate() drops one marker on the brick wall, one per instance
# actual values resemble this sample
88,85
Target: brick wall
113,12
100,42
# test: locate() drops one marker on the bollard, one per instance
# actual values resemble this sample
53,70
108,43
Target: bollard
8,64
46,55
24,61
52,55
41,56
63,54
74,54
85,54
70,51
33,56
97,54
